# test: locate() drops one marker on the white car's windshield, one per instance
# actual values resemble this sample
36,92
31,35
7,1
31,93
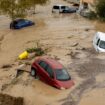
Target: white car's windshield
62,75
102,44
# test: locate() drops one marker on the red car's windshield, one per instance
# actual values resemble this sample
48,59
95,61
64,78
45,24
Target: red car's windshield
62,75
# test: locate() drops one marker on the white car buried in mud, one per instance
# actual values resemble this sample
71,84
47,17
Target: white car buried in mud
99,42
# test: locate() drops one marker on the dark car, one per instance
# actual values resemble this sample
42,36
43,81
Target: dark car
20,23
69,9
51,72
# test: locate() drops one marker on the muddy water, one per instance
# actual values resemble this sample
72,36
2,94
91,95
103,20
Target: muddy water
52,30
94,97
35,91
61,33
100,26
94,94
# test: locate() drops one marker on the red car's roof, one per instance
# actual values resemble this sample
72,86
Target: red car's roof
53,63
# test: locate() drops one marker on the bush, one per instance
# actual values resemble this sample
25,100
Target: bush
92,15
38,50
100,9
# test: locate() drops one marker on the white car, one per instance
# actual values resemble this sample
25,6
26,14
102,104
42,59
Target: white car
99,42
63,9
58,8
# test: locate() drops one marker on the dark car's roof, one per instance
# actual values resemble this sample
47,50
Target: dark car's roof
53,63
18,20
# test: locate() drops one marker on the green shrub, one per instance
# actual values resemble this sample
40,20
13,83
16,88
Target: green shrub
92,15
38,51
100,9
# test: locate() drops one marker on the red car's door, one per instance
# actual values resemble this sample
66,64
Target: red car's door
45,72
41,72
50,75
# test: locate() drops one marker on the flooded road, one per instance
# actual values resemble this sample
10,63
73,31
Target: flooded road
69,37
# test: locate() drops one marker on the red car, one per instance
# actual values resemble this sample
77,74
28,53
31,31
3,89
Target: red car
51,72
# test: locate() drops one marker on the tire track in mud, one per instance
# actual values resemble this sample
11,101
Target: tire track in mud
87,70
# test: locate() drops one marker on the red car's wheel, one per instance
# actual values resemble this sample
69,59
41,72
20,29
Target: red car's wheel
33,72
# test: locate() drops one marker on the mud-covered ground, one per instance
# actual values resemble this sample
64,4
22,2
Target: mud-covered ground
68,38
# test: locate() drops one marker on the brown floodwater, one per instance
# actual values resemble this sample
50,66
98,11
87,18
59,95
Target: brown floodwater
94,97
100,26
59,32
